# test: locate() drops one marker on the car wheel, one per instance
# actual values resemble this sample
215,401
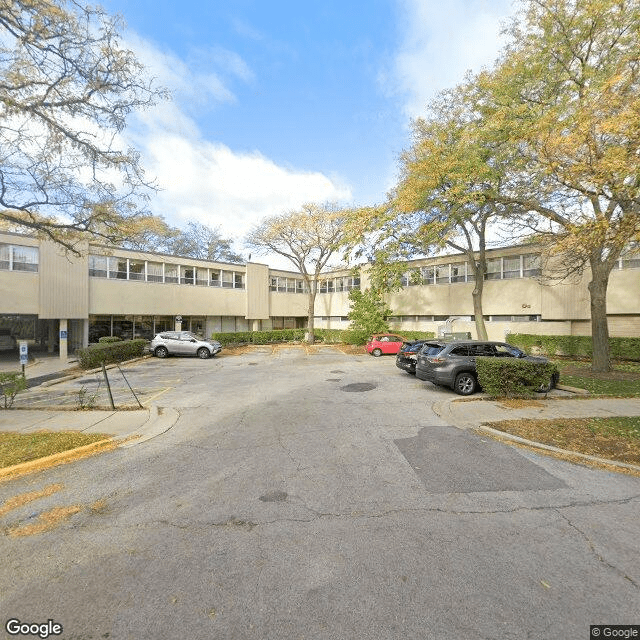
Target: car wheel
161,352
465,384
203,353
376,352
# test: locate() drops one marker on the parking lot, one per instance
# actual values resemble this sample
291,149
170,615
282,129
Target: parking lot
319,496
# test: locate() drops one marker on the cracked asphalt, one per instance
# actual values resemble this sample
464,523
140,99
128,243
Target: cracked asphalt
282,506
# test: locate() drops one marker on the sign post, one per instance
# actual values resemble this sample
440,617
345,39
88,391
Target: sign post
24,354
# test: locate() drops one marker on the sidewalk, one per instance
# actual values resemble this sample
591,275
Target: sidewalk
470,413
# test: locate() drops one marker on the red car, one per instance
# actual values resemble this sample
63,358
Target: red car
384,343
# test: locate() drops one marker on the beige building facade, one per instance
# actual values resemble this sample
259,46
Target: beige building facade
59,302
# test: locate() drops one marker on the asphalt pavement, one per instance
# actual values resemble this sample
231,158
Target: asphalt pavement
314,496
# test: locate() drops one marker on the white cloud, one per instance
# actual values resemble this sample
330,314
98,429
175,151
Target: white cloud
441,42
208,182
204,180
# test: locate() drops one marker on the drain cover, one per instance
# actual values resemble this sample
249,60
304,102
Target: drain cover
333,379
274,496
358,387
336,371
253,363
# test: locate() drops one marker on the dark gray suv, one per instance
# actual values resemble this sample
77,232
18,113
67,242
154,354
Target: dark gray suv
453,364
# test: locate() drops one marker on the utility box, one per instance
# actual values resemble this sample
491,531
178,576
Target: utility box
457,335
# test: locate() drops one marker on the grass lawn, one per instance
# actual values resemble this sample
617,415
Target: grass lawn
622,381
16,448
611,438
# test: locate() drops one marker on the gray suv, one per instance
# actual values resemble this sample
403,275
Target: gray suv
453,364
183,343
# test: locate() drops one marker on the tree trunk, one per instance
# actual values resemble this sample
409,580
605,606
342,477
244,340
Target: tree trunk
311,313
481,329
599,327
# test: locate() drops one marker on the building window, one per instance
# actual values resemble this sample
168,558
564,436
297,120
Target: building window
154,272
274,284
323,286
511,267
300,286
187,275
171,272
214,279
238,280
24,258
118,268
136,270
427,275
530,265
202,277
442,274
630,258
458,272
494,269
330,285
98,266
227,279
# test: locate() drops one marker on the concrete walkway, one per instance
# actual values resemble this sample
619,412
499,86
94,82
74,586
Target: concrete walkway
470,413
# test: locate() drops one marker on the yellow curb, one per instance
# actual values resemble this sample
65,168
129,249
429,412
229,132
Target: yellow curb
55,459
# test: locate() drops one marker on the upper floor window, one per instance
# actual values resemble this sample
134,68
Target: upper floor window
630,258
19,258
98,266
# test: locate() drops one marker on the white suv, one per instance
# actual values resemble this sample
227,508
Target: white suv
183,343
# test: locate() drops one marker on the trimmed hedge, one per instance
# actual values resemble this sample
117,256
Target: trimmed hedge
328,336
512,377
110,352
107,339
577,346
259,337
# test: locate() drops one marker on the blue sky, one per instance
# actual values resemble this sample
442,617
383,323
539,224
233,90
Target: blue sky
277,103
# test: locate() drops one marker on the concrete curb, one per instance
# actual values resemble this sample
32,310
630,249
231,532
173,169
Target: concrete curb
49,461
160,421
546,447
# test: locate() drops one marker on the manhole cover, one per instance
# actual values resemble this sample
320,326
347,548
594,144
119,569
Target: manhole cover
274,496
358,387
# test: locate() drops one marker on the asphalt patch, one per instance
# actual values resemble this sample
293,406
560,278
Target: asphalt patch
449,460
358,387
274,496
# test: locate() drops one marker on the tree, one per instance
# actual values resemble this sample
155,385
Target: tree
368,314
201,241
66,89
307,238
440,201
566,97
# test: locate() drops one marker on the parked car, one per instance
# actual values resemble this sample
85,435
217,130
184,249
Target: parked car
183,343
408,355
384,343
7,341
453,364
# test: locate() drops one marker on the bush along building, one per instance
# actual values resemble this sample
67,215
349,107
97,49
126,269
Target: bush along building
59,302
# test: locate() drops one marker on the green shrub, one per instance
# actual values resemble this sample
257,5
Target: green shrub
512,377
110,352
11,384
417,335
575,346
108,339
260,337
